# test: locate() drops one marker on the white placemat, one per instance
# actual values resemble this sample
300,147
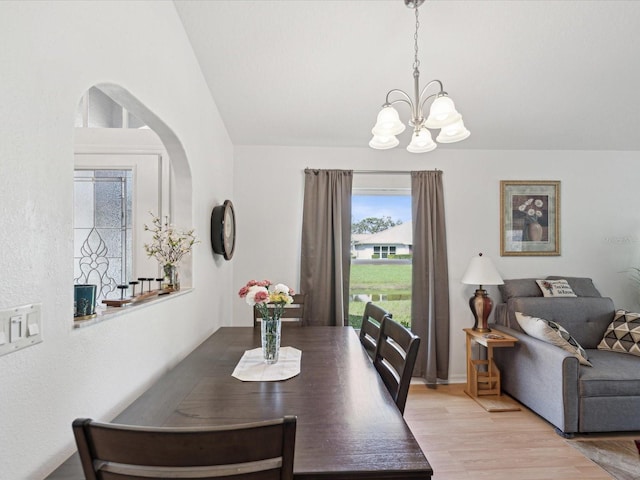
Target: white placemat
252,368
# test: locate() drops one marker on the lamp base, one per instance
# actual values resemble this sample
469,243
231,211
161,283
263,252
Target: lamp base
481,306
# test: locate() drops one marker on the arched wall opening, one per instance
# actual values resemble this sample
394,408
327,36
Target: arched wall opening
172,179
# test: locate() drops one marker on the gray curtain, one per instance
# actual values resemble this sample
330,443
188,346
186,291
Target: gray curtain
430,276
326,236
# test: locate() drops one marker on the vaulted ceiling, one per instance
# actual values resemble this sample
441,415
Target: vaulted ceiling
524,74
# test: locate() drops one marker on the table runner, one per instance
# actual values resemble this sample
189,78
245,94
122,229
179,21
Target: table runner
252,368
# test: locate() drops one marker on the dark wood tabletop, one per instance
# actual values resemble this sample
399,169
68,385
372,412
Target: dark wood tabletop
348,426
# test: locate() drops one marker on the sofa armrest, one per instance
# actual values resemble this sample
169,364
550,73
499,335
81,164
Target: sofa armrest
541,376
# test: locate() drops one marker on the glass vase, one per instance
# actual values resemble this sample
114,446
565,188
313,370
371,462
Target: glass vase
270,329
171,278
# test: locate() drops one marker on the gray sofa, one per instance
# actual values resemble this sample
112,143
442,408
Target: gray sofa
549,380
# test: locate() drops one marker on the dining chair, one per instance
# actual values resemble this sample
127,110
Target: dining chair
395,358
370,327
260,450
292,314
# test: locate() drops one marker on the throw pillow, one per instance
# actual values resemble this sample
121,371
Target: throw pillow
555,288
553,333
581,286
623,334
519,287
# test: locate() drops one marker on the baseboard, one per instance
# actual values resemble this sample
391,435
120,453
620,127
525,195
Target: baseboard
452,379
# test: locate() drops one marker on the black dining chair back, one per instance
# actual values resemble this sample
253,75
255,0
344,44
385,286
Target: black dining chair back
370,327
261,450
292,314
395,358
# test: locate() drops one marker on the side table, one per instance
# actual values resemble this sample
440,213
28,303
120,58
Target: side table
483,376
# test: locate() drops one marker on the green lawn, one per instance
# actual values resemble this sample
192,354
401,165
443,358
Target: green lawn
388,279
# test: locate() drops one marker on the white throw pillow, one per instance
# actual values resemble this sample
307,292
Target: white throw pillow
555,288
553,333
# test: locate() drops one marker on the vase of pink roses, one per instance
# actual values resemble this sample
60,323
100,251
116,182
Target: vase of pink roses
270,300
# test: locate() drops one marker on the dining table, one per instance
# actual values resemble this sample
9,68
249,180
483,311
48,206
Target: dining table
348,426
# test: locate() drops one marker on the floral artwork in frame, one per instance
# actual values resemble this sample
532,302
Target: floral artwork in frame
529,217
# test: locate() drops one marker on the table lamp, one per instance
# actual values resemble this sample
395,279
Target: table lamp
481,271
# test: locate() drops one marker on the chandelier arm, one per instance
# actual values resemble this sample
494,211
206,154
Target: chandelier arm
426,99
424,90
395,90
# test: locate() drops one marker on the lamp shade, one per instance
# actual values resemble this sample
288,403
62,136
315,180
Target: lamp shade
388,123
383,143
481,271
421,142
453,133
442,113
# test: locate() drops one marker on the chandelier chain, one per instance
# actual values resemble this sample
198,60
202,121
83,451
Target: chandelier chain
416,62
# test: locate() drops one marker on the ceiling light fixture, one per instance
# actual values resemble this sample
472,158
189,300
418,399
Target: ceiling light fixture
442,114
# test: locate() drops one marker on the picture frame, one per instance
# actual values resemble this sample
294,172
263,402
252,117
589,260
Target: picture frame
529,217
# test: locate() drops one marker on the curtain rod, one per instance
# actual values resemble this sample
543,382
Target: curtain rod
387,172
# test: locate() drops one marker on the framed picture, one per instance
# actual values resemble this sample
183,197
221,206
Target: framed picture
529,217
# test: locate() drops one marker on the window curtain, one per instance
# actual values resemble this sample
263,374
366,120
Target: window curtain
326,243
430,276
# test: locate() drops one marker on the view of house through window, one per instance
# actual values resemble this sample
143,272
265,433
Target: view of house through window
381,246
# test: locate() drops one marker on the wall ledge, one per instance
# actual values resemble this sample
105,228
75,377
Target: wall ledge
104,313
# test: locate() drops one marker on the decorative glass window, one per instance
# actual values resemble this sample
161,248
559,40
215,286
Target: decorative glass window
103,229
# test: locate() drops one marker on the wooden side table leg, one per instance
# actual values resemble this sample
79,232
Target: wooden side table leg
494,373
471,388
490,371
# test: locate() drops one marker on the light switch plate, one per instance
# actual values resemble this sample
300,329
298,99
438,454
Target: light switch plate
20,327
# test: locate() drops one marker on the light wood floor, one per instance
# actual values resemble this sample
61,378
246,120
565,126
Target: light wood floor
462,441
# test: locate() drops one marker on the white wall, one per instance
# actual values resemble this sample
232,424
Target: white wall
600,221
52,53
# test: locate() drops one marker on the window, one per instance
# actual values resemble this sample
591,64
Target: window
102,229
381,242
383,251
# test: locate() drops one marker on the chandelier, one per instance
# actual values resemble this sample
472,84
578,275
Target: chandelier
442,114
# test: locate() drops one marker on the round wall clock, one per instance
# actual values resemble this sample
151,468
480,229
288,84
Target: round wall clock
223,229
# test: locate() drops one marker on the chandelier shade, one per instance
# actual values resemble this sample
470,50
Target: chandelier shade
388,123
383,143
442,113
455,132
421,142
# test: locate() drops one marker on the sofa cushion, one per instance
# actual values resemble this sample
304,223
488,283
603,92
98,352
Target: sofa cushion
582,286
623,334
613,374
552,333
519,287
555,288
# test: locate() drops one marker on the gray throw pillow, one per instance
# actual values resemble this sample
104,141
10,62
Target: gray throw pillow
519,287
